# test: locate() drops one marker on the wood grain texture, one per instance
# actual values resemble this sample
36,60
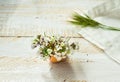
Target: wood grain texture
12,46
30,17
18,62
26,18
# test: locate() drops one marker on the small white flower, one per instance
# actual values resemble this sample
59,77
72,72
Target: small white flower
62,44
56,46
67,48
47,39
53,39
59,48
49,51
58,54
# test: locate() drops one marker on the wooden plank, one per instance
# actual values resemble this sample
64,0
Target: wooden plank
18,62
79,68
29,17
12,46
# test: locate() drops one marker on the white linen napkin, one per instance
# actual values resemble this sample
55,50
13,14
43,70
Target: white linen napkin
107,13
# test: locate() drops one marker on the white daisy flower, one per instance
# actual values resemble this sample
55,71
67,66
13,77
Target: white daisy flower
62,44
59,48
56,46
49,51
58,54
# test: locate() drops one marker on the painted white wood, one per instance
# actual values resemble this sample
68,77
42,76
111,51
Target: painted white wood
31,17
13,46
18,62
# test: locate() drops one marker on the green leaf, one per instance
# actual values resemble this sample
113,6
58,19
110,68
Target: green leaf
44,51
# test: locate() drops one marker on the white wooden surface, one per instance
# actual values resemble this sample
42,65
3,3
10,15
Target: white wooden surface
31,17
19,63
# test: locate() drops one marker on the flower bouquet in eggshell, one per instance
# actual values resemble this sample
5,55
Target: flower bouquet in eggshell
56,49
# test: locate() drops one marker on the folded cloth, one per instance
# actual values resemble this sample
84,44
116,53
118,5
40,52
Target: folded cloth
107,13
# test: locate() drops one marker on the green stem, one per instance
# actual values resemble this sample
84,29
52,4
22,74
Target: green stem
109,27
